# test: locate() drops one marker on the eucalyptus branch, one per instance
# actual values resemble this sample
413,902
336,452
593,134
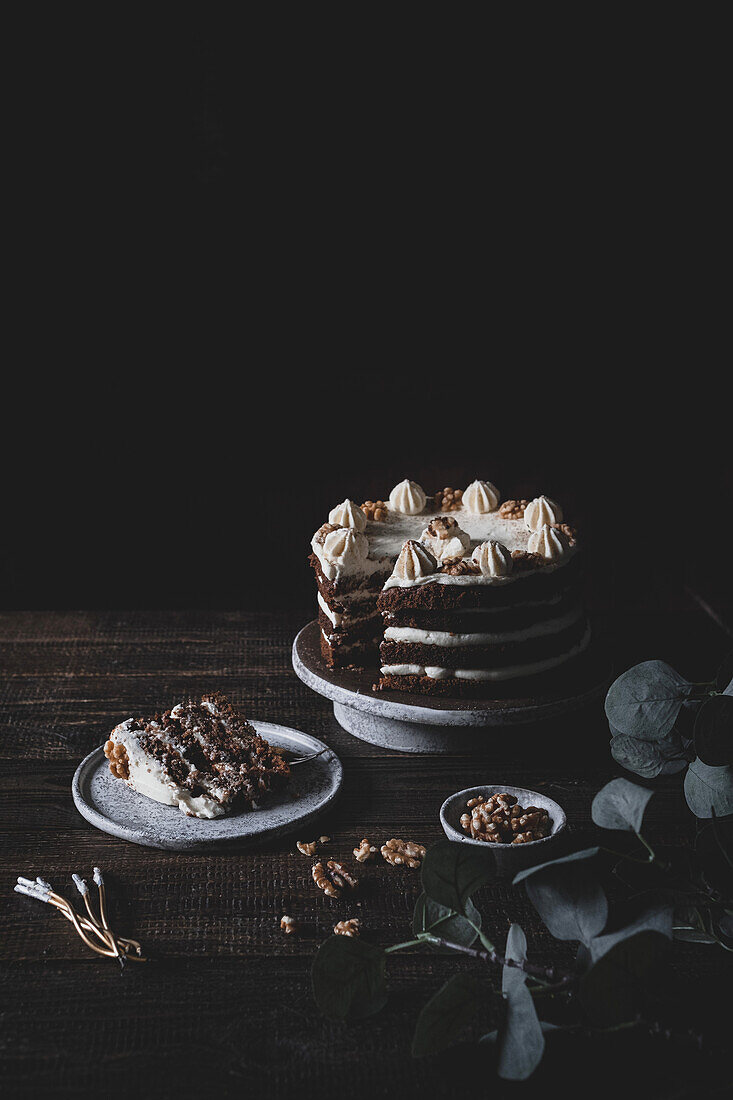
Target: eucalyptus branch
495,957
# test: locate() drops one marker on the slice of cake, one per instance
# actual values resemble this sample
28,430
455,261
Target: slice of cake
457,590
205,758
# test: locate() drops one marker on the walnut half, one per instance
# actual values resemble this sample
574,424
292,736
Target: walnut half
349,927
403,853
119,765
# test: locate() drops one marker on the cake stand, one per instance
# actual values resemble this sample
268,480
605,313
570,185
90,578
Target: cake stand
417,723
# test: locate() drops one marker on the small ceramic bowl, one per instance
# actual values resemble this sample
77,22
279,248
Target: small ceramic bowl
509,857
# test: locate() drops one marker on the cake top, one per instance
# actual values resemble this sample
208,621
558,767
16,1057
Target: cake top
453,525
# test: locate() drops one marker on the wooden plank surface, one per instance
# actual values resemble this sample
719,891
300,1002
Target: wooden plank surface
224,1007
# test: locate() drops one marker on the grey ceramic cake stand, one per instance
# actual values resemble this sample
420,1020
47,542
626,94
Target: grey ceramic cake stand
115,808
417,723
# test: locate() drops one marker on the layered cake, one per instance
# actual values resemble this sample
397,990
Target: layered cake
449,593
203,757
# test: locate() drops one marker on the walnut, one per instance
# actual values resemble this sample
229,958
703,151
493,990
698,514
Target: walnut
119,765
513,509
288,925
320,535
375,510
333,878
403,853
323,839
460,567
349,927
323,882
306,847
524,559
365,851
570,532
441,527
500,819
448,500
340,876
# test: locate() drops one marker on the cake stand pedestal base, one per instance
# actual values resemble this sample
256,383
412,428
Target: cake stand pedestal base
407,722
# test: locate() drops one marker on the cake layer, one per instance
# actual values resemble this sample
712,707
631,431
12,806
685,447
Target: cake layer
370,627
527,587
348,582
439,680
483,619
340,651
514,651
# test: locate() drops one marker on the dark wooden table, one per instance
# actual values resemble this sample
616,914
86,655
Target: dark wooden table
225,1006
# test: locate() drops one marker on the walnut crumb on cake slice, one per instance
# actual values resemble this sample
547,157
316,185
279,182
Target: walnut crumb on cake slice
203,757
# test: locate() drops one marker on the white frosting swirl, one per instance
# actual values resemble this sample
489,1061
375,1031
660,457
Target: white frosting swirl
408,497
493,558
348,514
540,511
549,543
415,561
446,543
480,497
346,548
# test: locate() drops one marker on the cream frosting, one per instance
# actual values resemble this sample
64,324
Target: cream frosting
348,514
385,539
446,542
548,543
450,640
481,497
540,511
415,561
408,497
493,558
345,547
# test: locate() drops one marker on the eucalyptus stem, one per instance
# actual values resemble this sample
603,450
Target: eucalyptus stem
545,973
402,946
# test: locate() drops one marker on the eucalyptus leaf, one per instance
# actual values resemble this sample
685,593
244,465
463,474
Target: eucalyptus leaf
714,731
645,700
430,916
451,872
348,978
709,789
583,960
693,935
724,677
649,758
657,918
583,854
612,991
620,805
446,1015
521,1041
570,901
516,950
725,923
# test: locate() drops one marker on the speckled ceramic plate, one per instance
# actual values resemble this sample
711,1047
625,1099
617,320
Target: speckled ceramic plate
110,805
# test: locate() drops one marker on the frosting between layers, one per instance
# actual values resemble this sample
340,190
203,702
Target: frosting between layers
509,672
450,639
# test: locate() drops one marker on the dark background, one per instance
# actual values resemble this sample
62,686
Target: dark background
287,284
207,494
